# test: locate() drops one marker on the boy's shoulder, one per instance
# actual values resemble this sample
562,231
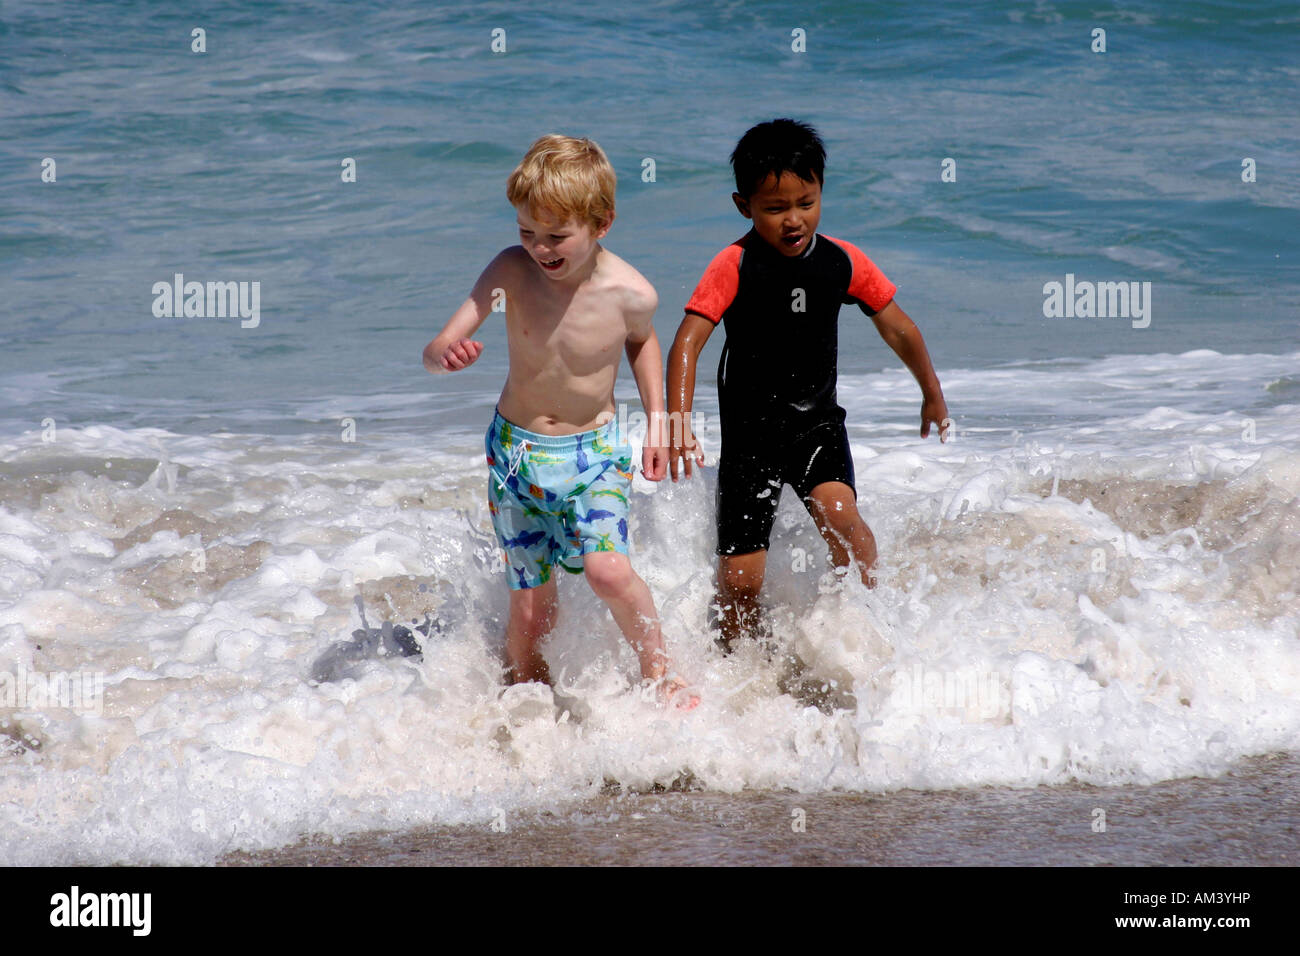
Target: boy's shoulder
508,265
868,285
512,257
620,279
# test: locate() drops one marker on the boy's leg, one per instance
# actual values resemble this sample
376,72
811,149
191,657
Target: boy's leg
834,507
749,493
740,579
629,599
532,616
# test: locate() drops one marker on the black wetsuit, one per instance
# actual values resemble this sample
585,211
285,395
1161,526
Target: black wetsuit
781,422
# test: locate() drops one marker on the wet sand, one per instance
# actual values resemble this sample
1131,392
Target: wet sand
1250,816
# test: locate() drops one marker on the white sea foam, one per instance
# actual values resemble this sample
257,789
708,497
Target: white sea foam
1108,594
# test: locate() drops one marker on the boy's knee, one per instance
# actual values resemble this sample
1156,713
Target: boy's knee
609,574
838,514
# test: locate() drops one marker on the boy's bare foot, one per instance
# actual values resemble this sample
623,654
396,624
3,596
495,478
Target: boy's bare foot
676,694
671,691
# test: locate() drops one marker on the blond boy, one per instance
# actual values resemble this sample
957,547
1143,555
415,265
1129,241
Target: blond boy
560,471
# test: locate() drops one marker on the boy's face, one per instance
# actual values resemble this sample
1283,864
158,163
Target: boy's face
559,249
785,211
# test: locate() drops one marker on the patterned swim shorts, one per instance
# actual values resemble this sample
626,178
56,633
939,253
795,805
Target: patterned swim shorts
555,498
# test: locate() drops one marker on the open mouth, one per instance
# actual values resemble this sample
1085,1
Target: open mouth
551,265
794,240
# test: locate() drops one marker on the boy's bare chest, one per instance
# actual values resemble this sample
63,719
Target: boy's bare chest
580,330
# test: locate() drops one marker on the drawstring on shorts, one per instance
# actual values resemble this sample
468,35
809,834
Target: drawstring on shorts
516,461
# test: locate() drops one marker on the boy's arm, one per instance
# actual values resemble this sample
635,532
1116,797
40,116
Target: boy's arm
453,349
902,335
691,336
646,359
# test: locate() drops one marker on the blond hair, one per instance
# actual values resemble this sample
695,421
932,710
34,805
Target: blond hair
564,178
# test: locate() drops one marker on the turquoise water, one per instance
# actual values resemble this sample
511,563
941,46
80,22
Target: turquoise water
1123,165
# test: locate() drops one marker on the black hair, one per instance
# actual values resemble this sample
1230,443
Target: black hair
776,147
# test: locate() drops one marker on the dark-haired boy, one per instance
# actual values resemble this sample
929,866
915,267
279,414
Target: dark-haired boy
778,292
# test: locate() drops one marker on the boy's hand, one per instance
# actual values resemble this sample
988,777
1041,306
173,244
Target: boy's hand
934,409
654,461
461,354
681,456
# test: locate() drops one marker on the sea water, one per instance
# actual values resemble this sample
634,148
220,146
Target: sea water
1094,579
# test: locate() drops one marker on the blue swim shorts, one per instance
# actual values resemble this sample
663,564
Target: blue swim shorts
555,498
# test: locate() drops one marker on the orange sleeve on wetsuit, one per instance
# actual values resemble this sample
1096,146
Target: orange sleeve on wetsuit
718,287
868,284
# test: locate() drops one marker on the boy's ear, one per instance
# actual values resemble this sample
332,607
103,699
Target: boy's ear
742,204
603,231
